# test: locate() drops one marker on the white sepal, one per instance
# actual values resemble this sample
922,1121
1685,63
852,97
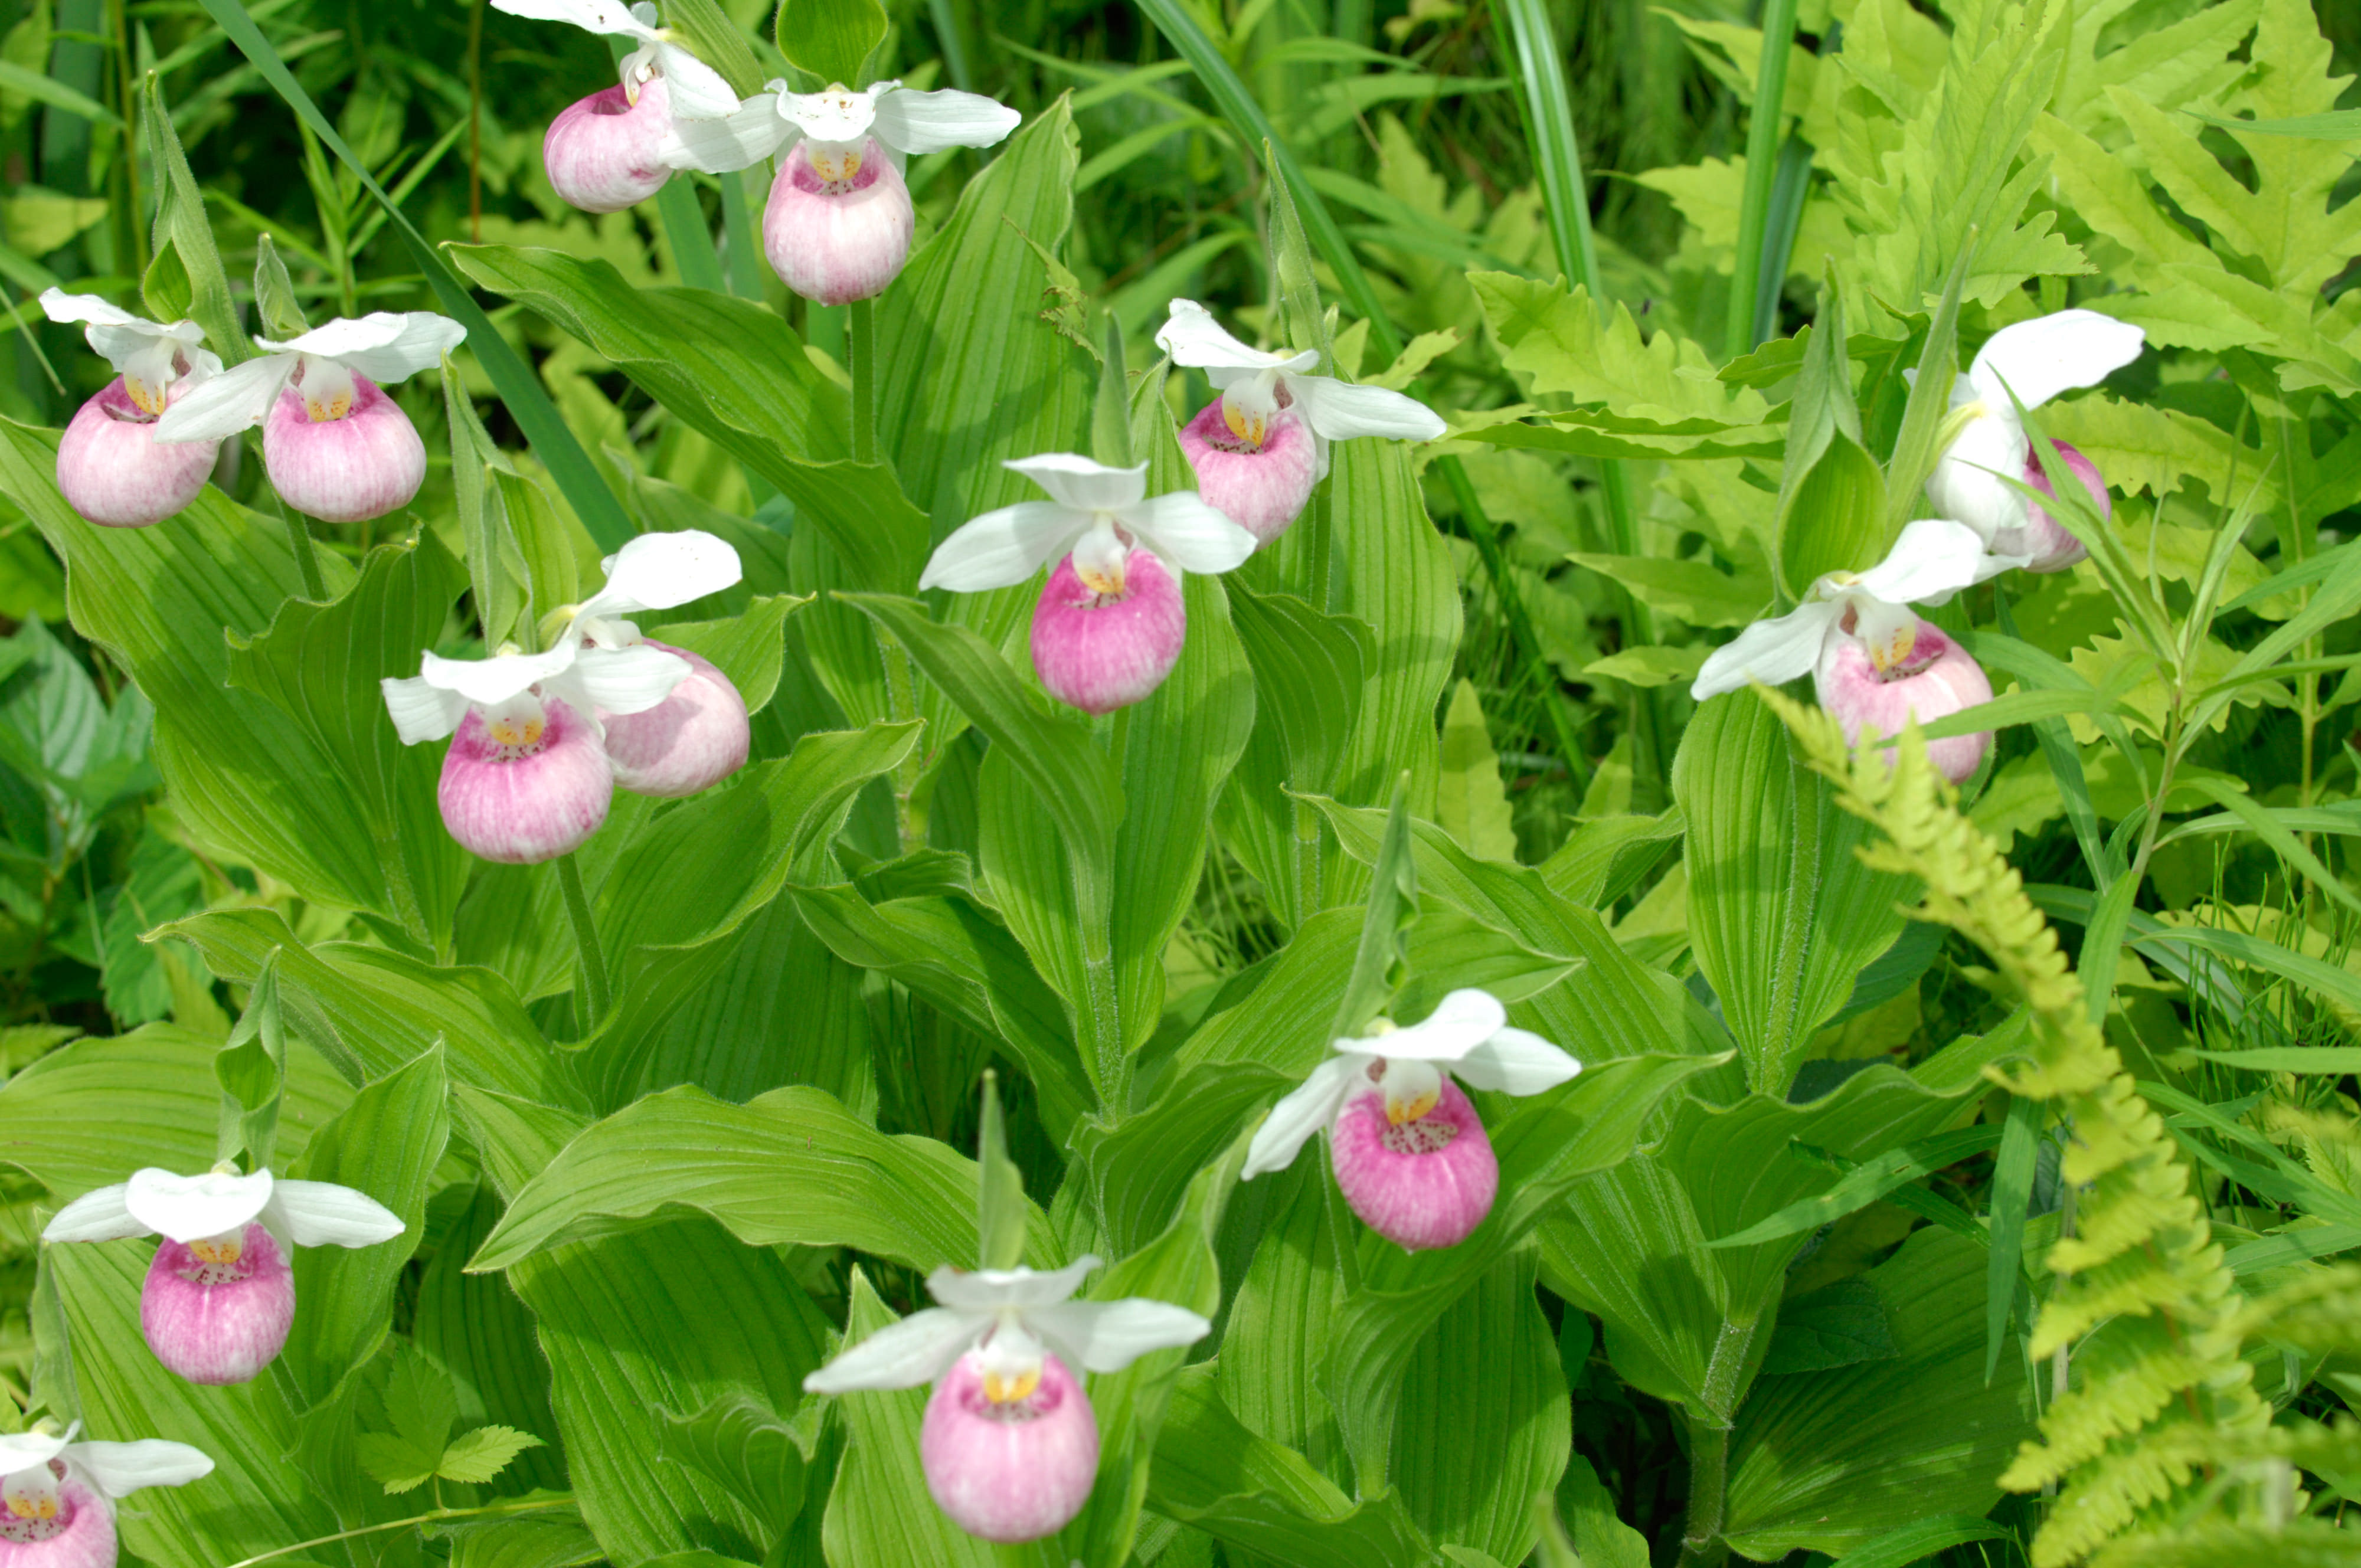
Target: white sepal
1085,486
96,1216
1772,651
1310,1106
321,1214
1460,1022
190,1208
1004,546
235,399
1515,1061
2048,355
739,139
662,571
618,680
119,1469
914,123
609,16
1185,530
692,90
1107,1336
991,1289
487,682
21,1451
1341,412
1934,559
114,334
422,712
384,346
918,1349
1192,336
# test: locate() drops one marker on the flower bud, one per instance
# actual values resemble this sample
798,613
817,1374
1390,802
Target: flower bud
1101,651
1009,1470
112,470
1260,486
693,738
1424,1182
601,151
1934,679
77,1531
217,1310
840,222
520,790
344,466
2043,538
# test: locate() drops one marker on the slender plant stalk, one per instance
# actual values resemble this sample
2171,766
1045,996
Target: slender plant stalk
861,347
586,940
129,105
433,1516
475,123
307,556
1762,172
1701,1542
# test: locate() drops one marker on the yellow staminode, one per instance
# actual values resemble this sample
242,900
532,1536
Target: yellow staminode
1400,1111
148,400
1249,428
510,731
218,1249
1006,1388
336,406
836,165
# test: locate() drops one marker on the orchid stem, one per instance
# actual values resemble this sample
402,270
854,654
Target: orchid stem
307,556
861,345
586,940
490,1510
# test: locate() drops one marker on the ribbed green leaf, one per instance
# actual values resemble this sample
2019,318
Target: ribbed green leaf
473,1326
1275,1341
790,1167
1865,1184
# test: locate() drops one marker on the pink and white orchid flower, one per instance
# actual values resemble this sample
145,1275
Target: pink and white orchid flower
1010,1445
1110,623
220,1294
1874,663
617,148
1409,1152
698,735
336,446
1260,447
527,777
57,1496
840,222
110,469
2035,360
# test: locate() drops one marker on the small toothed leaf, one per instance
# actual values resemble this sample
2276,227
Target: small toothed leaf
475,1457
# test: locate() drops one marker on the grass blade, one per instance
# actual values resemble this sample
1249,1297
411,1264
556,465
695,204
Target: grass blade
2020,1142
1762,172
528,404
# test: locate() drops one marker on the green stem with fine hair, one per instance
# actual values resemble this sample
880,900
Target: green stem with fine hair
593,963
307,555
861,347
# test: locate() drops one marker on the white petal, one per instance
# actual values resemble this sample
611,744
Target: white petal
1107,1336
494,680
740,139
1081,484
422,712
234,400
662,571
1772,651
841,115
2042,357
1515,1061
321,1214
24,1450
1460,1022
1934,555
695,91
918,1349
929,122
1968,483
988,1289
61,306
1342,411
384,346
98,1216
1190,532
596,16
190,1208
1192,336
1004,546
1886,631
623,680
119,1469
1312,1106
